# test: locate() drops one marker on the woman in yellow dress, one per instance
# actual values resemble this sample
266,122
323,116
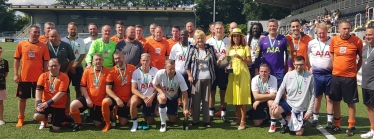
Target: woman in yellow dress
238,87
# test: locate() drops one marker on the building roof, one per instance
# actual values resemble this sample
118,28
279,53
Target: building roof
280,3
103,10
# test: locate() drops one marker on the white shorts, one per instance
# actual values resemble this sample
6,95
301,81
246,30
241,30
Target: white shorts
2,94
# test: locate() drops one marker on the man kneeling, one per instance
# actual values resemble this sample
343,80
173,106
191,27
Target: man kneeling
167,83
50,95
299,85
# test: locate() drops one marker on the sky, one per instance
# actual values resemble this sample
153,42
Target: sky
28,2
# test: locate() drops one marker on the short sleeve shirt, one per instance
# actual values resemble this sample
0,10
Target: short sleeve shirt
264,88
61,84
96,92
63,53
170,87
4,68
144,81
120,80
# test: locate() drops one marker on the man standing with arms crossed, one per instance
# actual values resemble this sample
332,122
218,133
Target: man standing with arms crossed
34,55
344,49
221,45
368,79
321,67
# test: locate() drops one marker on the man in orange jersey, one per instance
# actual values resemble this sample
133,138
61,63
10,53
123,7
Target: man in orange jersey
139,34
34,56
48,26
298,43
158,48
93,91
152,29
175,31
50,95
118,89
191,30
120,28
344,49
211,30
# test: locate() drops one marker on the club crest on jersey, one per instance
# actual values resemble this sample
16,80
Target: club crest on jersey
145,86
273,50
342,49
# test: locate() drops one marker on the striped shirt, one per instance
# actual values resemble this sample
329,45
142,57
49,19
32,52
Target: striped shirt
192,63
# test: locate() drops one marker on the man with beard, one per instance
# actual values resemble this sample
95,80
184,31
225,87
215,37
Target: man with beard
104,46
298,43
92,29
120,28
191,30
253,41
48,26
79,49
118,89
139,34
130,48
175,38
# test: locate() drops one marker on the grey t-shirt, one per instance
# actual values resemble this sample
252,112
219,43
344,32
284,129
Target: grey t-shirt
204,72
131,50
64,54
367,68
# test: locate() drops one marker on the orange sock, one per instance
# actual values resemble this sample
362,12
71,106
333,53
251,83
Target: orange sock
105,111
337,122
372,127
106,127
20,122
76,116
351,123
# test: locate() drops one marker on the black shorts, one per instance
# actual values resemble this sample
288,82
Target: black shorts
58,115
148,111
122,111
76,78
26,90
95,111
261,111
221,80
368,97
344,88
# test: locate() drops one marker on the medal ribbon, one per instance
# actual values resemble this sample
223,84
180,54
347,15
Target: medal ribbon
299,84
72,44
183,52
53,49
319,43
52,83
367,52
97,78
220,45
145,76
272,43
298,43
120,73
169,83
263,86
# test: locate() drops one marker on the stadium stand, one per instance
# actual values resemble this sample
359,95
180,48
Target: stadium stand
102,15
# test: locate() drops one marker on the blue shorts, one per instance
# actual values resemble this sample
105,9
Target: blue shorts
77,77
279,77
322,84
149,111
221,80
172,106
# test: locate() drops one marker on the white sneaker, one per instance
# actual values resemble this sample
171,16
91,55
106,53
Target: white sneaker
272,129
367,135
163,128
41,126
2,122
134,127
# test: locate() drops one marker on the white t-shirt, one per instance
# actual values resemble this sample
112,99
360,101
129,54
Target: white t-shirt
267,88
88,41
316,49
78,46
190,40
179,54
220,47
170,87
144,81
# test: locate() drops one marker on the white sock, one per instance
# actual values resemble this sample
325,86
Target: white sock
273,122
223,113
134,125
162,115
282,121
211,112
315,116
330,117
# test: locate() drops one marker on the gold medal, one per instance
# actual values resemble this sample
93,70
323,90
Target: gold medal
294,53
299,92
184,58
201,66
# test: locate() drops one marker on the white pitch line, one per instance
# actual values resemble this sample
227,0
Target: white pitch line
323,131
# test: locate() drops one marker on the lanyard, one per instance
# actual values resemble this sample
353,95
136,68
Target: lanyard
183,52
169,83
52,83
263,86
299,84
367,52
145,76
319,43
53,49
72,44
220,45
120,73
272,43
97,78
256,43
298,43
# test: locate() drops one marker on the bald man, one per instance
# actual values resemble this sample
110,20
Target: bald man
104,46
191,30
232,26
130,47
